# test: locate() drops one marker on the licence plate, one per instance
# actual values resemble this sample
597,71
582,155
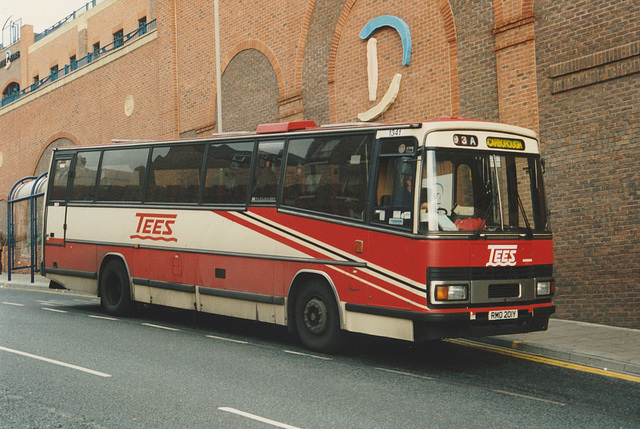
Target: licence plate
503,314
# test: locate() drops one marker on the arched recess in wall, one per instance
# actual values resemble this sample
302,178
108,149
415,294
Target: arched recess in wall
58,140
251,87
11,89
429,85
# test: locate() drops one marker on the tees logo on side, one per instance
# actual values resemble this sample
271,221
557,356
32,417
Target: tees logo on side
155,226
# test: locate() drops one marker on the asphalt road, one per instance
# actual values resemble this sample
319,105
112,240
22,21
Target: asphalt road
63,363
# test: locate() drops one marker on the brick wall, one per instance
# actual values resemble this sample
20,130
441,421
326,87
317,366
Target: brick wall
477,71
113,15
315,71
274,28
426,87
587,66
76,38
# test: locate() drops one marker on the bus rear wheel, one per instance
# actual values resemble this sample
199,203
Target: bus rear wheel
115,289
317,319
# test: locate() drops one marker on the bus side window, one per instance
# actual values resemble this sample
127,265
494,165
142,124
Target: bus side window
174,174
267,172
122,174
329,174
227,173
84,176
60,177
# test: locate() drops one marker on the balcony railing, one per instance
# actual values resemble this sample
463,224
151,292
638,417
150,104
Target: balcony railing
76,64
73,15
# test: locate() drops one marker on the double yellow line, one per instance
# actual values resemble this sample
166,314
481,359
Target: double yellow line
547,361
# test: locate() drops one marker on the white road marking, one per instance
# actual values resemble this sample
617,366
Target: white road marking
307,355
54,310
257,418
15,304
166,328
533,398
102,317
55,362
227,339
392,371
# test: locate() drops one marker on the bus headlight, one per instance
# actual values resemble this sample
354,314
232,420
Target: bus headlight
545,287
451,292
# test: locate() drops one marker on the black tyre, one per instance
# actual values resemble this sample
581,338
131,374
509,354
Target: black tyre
317,318
115,289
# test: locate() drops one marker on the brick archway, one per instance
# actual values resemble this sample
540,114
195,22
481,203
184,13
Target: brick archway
44,157
247,45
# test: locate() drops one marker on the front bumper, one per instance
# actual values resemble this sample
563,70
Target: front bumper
467,323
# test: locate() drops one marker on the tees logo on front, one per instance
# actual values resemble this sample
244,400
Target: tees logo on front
503,255
155,226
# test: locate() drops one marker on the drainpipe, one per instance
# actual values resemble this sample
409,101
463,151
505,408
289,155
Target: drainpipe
216,13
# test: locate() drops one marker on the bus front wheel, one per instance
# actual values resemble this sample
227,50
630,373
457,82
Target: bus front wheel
317,318
115,289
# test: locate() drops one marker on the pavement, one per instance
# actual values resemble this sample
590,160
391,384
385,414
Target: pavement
602,347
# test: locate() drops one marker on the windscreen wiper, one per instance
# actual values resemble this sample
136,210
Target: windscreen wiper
524,216
478,231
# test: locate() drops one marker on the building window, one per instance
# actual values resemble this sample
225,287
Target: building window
96,51
118,39
54,73
10,93
73,63
142,26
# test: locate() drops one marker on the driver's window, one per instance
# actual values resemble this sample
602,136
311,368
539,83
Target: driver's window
395,185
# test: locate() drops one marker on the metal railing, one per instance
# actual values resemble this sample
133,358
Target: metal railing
76,64
73,15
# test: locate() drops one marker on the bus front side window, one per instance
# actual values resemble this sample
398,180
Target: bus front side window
59,178
394,192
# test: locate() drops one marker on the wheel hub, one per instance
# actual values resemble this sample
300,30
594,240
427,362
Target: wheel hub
315,316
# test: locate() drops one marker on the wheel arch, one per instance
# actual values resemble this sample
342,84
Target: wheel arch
299,280
113,256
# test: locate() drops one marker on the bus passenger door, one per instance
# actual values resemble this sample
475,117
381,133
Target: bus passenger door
55,216
56,210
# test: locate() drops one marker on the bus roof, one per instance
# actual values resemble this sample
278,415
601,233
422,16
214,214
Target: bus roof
303,127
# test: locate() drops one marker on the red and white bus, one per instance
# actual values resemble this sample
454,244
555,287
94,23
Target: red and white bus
413,231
